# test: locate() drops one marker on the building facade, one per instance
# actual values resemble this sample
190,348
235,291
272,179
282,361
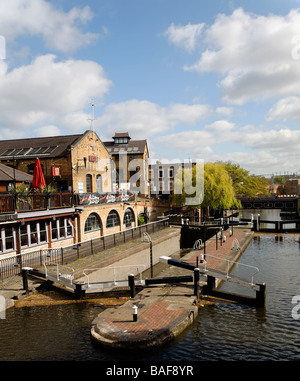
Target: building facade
85,205
131,159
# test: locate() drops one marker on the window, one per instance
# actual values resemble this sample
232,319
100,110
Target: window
121,140
92,223
42,231
24,235
9,238
61,228
99,183
112,219
54,230
171,172
128,217
69,228
33,233
88,180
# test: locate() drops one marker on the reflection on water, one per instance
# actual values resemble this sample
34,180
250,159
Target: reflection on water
267,215
224,331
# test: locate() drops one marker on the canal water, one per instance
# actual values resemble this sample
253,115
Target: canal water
223,331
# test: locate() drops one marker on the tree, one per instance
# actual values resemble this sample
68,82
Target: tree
217,189
244,184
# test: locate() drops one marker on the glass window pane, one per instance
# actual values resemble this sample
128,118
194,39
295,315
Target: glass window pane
43,231
54,230
92,223
24,236
9,238
112,219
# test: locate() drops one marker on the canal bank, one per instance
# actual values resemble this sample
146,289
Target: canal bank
158,314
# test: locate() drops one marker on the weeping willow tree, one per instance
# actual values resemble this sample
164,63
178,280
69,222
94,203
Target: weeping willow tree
210,188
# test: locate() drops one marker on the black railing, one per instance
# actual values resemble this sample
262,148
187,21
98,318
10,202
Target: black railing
13,265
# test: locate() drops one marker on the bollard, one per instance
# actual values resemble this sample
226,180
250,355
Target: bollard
211,283
135,313
261,295
131,285
196,281
25,279
79,292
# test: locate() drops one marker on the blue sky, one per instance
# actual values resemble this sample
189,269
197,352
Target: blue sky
212,80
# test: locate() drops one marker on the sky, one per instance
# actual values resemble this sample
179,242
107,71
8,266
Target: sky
214,81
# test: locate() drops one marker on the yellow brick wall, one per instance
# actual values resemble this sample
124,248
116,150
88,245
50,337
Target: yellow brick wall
82,156
102,212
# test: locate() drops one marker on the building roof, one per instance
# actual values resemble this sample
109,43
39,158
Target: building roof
121,135
53,146
8,174
131,147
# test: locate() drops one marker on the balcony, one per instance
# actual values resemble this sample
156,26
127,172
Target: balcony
12,203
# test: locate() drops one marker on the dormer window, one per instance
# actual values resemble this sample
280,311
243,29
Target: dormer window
121,138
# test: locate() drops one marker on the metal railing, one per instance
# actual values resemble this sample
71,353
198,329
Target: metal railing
115,277
228,270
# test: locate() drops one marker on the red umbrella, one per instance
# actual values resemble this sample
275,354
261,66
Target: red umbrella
38,180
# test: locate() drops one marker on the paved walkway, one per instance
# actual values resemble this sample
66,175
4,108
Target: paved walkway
163,311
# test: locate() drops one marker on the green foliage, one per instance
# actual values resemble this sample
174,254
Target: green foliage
279,180
218,192
218,188
245,185
47,190
21,194
141,221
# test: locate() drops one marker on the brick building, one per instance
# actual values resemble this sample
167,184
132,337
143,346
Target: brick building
131,158
76,165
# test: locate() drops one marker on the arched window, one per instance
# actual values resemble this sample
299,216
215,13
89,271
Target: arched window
99,183
112,219
88,180
92,223
128,219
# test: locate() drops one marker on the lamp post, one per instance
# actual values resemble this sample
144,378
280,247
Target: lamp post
146,238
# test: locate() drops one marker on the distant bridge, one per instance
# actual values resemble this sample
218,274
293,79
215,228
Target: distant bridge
285,203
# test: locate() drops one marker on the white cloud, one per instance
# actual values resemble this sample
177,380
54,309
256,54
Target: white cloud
47,131
284,109
40,18
145,119
49,92
185,36
254,54
220,126
281,141
191,143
